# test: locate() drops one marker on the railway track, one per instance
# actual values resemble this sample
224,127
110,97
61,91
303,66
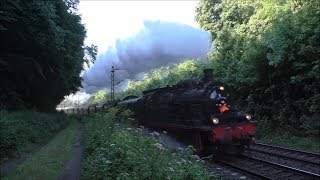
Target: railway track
264,161
293,154
264,169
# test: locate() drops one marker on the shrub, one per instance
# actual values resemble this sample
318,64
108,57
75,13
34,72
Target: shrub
116,150
19,130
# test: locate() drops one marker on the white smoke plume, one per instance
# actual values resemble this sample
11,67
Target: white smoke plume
157,44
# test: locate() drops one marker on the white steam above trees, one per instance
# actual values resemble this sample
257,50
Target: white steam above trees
157,44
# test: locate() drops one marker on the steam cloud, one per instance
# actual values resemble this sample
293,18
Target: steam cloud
157,44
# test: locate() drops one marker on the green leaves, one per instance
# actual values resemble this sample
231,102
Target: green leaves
42,53
268,51
161,77
90,54
19,130
114,149
98,97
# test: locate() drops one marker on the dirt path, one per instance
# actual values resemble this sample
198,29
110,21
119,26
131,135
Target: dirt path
72,169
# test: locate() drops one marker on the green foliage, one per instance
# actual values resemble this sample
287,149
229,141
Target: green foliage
219,15
268,52
287,140
68,103
19,130
98,97
264,127
41,53
90,54
49,161
72,4
116,150
164,76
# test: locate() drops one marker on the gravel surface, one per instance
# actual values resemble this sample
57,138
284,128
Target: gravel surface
227,172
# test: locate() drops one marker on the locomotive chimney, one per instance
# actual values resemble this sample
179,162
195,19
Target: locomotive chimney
207,75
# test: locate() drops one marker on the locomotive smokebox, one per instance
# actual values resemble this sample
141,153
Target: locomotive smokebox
207,75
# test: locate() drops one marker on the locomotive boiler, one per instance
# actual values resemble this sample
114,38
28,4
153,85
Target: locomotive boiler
198,110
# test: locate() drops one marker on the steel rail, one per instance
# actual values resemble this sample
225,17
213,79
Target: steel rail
290,169
284,156
288,149
241,169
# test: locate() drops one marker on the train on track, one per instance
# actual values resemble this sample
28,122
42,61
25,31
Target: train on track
200,111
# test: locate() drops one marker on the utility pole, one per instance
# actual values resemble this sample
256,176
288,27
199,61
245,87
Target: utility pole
113,70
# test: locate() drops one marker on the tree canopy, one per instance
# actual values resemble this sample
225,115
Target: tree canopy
269,52
41,53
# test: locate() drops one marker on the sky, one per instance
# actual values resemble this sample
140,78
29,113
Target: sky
123,25
107,20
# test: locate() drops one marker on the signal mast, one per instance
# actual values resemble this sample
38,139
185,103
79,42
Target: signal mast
113,70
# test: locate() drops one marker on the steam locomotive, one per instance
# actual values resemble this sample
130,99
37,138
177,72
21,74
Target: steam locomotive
198,110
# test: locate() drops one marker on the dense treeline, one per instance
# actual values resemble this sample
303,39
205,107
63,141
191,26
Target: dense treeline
41,53
268,51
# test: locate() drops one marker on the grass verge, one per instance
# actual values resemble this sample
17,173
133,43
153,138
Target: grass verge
49,161
113,149
21,130
302,143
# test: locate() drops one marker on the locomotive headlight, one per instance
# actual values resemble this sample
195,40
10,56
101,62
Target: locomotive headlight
215,120
248,117
221,88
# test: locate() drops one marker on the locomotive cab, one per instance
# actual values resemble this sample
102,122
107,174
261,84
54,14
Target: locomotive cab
233,130
220,100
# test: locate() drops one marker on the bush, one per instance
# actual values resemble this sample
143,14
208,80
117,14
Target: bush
116,150
286,139
264,127
19,130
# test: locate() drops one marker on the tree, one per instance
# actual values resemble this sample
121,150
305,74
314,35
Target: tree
90,54
98,97
294,54
268,52
72,4
41,53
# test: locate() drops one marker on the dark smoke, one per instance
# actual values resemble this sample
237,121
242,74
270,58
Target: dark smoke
157,44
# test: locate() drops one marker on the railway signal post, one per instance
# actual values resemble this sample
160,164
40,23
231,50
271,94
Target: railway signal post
113,70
